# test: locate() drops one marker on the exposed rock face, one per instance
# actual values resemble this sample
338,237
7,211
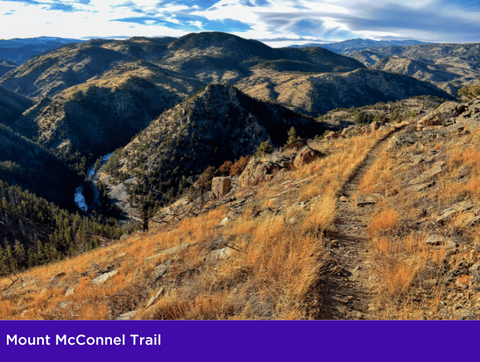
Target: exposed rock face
221,186
258,170
305,156
297,145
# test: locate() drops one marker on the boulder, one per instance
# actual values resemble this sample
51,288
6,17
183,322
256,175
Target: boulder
435,170
257,169
104,277
442,114
127,316
221,186
375,126
297,145
170,251
305,156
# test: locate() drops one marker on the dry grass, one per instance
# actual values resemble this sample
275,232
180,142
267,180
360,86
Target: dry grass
273,269
400,256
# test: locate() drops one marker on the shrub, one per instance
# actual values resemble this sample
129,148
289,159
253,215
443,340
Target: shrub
205,181
238,167
225,168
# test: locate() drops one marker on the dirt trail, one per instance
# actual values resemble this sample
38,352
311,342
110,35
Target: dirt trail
350,289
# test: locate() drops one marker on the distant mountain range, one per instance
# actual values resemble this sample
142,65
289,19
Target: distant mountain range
343,47
448,66
19,50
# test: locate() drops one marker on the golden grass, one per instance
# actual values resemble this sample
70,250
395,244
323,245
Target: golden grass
273,271
387,220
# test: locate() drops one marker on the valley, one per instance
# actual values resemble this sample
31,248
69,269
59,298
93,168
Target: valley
214,177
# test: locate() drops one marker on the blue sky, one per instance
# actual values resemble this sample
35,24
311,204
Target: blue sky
275,22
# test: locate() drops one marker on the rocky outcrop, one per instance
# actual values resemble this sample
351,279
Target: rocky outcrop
221,186
258,170
306,156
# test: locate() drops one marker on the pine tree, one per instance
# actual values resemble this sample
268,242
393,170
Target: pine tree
292,136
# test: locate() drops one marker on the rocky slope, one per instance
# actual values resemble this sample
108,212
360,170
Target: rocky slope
449,66
320,93
12,105
217,124
6,66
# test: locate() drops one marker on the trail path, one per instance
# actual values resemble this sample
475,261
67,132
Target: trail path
351,288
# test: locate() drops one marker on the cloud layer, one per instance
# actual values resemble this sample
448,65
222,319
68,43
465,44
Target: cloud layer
275,21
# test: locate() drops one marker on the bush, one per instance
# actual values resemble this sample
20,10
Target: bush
238,167
264,149
225,168
205,181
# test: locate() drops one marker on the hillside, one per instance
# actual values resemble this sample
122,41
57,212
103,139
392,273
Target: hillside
60,69
449,66
378,223
217,124
21,159
105,112
320,93
6,66
12,105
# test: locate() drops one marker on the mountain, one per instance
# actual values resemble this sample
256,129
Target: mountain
351,45
60,69
214,56
6,66
12,105
449,66
320,93
104,112
217,124
19,50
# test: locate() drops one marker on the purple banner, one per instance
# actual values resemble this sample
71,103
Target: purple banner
238,340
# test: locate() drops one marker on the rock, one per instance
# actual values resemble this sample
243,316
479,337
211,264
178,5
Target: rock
43,292
104,277
374,126
257,169
333,135
297,145
420,187
441,115
464,281
123,237
70,291
363,130
221,186
306,156
399,141
458,207
475,267
63,305
155,297
362,200
127,316
220,254
224,222
343,199
436,240
435,170
170,251
162,269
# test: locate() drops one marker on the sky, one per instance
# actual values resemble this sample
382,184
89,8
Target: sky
275,22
